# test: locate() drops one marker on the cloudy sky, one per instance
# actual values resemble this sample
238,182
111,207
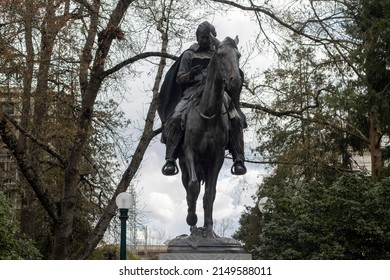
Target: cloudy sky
164,196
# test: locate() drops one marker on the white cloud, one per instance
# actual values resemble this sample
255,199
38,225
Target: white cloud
162,205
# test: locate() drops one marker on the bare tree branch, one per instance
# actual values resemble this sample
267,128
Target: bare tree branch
282,113
258,9
40,143
135,59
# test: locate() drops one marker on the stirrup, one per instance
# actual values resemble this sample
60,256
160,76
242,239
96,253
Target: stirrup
163,171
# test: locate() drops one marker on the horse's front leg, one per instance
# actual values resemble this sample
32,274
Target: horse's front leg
193,189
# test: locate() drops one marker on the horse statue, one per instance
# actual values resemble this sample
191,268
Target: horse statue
206,133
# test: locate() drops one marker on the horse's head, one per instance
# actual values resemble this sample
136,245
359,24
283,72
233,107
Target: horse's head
228,61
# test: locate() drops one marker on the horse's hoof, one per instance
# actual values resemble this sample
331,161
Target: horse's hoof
192,219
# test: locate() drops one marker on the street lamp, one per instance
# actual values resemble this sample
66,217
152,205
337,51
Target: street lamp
265,206
262,204
124,201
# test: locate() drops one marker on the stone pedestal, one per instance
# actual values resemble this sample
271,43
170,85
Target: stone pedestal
195,247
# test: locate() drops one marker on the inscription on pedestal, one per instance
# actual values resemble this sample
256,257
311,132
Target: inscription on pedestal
204,256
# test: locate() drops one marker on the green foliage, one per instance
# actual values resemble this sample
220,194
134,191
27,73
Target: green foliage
13,246
327,107
346,219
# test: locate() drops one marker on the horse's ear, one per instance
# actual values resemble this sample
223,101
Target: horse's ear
236,40
214,41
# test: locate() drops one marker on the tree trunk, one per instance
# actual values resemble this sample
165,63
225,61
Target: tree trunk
377,79
375,145
27,210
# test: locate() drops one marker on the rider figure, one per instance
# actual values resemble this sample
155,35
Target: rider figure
191,71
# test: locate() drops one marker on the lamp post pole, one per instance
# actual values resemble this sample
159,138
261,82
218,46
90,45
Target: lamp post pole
123,216
124,201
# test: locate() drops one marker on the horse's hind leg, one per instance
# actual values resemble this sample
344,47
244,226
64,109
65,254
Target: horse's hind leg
209,197
208,201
